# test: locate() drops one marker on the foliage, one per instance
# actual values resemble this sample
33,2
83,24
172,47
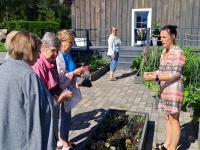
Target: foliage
136,62
192,79
32,26
35,10
155,31
2,48
141,34
151,63
125,134
93,61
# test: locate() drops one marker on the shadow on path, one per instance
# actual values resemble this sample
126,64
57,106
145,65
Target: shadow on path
89,124
125,75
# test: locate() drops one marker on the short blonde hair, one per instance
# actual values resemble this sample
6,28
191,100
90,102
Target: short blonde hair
65,35
23,45
9,37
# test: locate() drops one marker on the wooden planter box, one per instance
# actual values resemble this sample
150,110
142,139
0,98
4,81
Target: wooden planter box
87,143
99,73
197,127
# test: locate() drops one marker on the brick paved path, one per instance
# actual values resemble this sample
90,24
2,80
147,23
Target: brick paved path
124,94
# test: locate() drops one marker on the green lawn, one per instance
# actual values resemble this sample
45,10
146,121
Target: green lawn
2,48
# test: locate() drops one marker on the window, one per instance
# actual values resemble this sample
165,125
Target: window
141,18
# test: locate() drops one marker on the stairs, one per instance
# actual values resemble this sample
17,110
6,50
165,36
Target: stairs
126,56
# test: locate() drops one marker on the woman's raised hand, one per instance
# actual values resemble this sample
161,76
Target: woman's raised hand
78,71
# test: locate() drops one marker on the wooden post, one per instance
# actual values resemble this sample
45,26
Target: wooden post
181,37
87,38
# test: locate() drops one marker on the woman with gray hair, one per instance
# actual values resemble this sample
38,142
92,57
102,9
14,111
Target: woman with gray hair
46,69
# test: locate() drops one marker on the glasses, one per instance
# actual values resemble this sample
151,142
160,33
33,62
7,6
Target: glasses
114,30
53,50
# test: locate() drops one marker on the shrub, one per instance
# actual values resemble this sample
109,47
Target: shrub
32,26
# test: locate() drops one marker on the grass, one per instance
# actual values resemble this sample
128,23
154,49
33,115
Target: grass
2,48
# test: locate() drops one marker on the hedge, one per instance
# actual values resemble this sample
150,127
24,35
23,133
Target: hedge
32,26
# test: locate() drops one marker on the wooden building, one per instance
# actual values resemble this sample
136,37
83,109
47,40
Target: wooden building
130,14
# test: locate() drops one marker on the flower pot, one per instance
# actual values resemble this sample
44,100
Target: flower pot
140,42
154,41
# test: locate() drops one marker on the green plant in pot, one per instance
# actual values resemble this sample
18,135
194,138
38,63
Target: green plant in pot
141,32
155,33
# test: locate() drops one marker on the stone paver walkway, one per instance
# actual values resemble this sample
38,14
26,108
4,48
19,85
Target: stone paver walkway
124,94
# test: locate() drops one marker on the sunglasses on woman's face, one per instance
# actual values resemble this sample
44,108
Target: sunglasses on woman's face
114,30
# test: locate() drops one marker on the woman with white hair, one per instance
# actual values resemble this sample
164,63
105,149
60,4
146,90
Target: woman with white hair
46,69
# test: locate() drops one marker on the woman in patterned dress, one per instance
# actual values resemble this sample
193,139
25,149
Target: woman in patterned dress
170,74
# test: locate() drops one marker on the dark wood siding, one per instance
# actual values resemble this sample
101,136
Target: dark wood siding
102,14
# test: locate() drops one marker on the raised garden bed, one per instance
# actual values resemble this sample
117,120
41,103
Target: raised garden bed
119,130
94,75
99,73
197,127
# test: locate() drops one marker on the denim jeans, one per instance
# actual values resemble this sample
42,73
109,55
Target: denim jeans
64,122
113,62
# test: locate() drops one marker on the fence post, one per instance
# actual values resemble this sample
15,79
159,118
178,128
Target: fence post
181,37
87,39
148,35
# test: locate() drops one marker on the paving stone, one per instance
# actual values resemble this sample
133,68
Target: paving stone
123,94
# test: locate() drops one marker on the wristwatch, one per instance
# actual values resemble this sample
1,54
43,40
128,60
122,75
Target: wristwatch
157,78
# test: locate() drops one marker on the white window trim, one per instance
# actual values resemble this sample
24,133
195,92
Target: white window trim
149,19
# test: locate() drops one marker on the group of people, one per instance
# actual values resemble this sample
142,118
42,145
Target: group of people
38,79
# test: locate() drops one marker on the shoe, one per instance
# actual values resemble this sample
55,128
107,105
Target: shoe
59,145
72,145
68,148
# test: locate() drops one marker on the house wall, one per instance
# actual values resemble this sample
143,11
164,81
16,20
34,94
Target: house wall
102,14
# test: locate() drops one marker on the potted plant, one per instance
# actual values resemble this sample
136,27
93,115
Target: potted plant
155,33
141,32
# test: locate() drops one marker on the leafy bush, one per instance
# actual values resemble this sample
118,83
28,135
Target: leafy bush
93,61
2,48
32,26
150,63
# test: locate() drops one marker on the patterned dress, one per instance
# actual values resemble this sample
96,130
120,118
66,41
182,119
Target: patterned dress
172,92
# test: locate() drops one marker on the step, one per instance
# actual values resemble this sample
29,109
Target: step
129,52
125,58
124,65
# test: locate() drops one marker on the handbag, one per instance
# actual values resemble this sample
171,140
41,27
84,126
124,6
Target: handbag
76,98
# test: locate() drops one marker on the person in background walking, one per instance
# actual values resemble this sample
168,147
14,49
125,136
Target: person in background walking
170,74
114,43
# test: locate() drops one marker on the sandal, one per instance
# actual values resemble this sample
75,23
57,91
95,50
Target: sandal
157,145
113,79
162,147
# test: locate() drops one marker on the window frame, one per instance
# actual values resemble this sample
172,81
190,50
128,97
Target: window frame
134,18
